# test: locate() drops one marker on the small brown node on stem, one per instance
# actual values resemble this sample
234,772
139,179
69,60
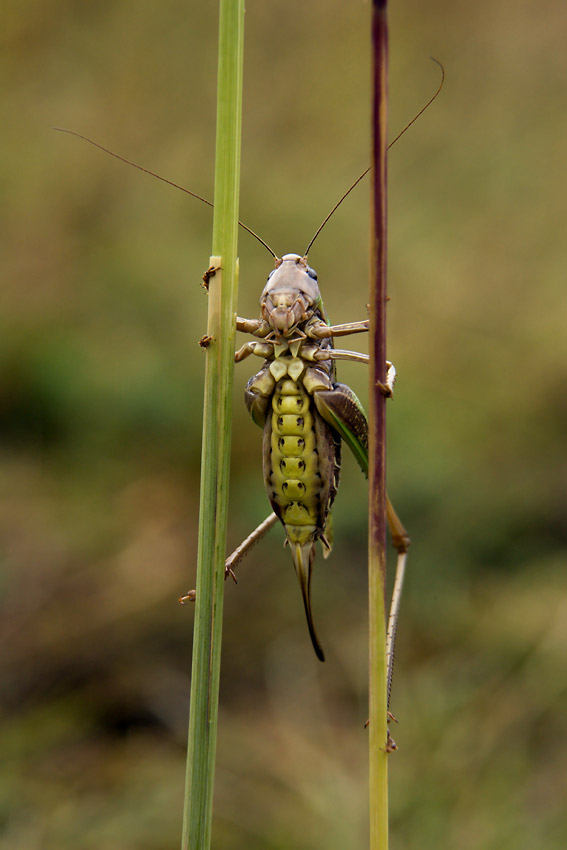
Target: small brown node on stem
189,597
205,341
211,272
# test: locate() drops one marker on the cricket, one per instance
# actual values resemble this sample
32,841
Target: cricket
304,412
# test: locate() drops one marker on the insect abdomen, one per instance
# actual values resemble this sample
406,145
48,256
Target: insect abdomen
294,481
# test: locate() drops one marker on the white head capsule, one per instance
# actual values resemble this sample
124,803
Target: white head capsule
291,294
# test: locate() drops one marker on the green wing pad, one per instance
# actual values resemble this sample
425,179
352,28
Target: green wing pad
341,408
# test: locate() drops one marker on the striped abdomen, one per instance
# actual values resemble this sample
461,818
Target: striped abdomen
301,462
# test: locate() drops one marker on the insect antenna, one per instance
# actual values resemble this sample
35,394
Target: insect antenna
426,106
163,179
241,223
364,173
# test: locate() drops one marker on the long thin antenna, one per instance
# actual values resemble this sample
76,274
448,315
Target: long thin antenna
364,173
163,179
241,223
427,105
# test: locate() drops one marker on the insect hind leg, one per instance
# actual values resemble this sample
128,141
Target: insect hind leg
239,553
401,542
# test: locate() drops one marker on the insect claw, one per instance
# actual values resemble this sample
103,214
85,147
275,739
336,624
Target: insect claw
211,272
189,597
205,341
230,572
384,389
391,717
391,745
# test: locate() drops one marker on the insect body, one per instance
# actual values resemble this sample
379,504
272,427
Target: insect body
303,411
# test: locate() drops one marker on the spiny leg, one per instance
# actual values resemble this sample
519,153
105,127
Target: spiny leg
357,357
260,349
249,326
239,553
324,331
244,351
401,542
340,354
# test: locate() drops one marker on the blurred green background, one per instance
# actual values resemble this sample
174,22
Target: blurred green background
101,386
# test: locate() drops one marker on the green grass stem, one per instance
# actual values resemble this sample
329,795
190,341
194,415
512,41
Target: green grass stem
215,456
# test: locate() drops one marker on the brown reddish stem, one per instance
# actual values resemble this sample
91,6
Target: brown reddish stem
378,732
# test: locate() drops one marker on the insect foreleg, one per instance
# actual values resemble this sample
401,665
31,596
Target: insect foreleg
258,327
322,331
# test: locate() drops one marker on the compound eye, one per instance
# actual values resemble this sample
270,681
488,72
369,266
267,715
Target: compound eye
312,273
271,273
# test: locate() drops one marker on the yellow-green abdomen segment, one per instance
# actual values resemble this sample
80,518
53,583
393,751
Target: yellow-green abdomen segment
294,480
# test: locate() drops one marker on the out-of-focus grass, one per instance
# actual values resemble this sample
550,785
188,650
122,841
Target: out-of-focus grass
100,313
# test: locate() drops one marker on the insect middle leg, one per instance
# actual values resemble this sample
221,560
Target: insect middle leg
355,356
323,331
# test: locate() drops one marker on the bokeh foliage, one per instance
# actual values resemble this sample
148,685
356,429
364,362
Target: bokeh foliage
101,385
